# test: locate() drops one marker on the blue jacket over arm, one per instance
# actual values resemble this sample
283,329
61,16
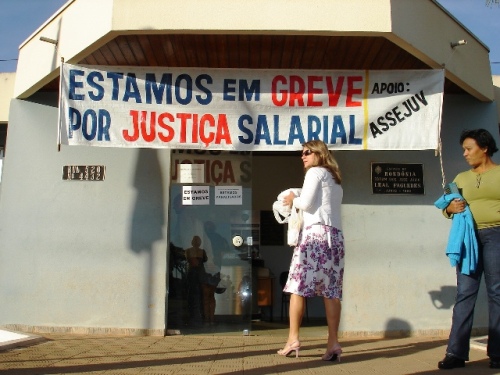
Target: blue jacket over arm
462,248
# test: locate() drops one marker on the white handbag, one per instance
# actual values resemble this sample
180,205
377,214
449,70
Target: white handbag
292,216
295,221
282,212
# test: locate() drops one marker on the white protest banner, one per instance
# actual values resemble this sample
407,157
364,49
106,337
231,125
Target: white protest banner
250,110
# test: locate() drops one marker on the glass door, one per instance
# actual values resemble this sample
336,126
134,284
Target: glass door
213,237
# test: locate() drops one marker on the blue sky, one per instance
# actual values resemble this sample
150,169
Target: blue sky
482,21
20,18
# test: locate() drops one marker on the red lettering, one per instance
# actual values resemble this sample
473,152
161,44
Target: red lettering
135,123
351,91
148,137
161,123
210,121
297,92
223,133
205,128
183,117
334,94
311,90
297,89
281,100
194,130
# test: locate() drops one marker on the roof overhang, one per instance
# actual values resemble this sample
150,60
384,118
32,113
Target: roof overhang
260,34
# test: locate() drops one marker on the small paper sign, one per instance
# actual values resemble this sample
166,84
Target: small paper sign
228,195
191,173
195,195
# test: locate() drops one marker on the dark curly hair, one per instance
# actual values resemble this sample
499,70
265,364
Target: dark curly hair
483,138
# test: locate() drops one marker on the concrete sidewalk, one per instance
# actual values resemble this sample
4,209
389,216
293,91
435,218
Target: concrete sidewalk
230,354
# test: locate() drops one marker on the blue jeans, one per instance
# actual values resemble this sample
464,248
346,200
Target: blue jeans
467,290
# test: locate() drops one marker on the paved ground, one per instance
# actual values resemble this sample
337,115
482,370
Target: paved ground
228,355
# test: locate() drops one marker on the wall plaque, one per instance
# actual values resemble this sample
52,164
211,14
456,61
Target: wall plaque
84,172
388,178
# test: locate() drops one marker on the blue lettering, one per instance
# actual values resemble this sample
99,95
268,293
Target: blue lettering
295,131
75,120
115,78
338,130
131,89
262,131
202,88
313,132
91,78
352,132
325,130
104,125
277,141
89,128
227,90
317,128
91,123
249,139
246,92
189,89
157,90
73,84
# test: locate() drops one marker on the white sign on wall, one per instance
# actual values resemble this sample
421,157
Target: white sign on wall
228,195
191,173
195,195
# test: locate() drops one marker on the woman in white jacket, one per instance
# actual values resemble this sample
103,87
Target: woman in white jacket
317,266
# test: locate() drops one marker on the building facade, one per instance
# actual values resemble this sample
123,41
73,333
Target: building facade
100,256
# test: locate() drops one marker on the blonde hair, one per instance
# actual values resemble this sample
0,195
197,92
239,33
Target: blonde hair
324,158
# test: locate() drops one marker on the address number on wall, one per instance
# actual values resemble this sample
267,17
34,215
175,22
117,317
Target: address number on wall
84,172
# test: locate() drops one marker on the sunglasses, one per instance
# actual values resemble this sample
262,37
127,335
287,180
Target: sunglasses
306,152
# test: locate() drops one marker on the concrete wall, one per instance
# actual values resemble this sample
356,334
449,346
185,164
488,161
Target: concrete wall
6,94
397,277
91,256
496,90
80,254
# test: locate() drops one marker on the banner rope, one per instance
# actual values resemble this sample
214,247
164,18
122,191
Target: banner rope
440,143
440,151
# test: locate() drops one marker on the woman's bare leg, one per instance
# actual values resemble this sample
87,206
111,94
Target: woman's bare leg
296,312
333,309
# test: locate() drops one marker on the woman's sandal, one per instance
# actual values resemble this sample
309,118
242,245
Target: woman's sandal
294,346
333,355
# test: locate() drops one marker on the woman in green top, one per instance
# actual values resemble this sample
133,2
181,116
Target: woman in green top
480,188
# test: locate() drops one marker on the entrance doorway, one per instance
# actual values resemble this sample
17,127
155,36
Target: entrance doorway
213,238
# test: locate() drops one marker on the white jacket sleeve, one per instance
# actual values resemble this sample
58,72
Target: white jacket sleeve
310,191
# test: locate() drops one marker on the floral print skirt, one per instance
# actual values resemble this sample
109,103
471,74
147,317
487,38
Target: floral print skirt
317,267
